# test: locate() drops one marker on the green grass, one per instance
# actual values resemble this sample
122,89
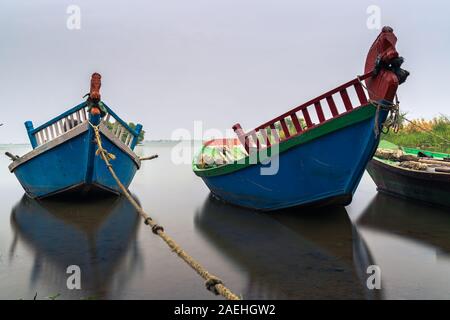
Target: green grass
384,144
414,137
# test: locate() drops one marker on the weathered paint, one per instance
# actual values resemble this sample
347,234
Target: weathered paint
250,139
385,84
430,187
73,163
321,162
327,165
57,118
138,130
345,120
91,147
33,131
30,129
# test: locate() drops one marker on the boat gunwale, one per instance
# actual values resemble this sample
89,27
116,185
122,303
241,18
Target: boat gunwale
79,107
415,151
120,144
68,135
312,133
410,172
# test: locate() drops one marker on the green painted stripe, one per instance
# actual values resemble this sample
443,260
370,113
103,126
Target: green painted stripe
357,115
415,151
384,144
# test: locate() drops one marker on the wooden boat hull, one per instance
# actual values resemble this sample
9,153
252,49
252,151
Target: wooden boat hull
324,170
429,187
323,150
69,164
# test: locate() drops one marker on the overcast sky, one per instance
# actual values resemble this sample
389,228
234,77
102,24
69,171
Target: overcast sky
168,63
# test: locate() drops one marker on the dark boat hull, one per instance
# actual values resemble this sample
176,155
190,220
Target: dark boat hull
428,187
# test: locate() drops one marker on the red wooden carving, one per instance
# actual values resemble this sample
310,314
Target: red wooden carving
96,82
385,84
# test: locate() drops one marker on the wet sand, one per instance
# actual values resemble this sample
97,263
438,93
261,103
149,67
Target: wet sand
293,254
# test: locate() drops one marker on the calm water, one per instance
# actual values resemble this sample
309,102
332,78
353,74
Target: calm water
295,254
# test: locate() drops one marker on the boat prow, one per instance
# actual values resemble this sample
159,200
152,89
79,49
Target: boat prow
312,154
63,159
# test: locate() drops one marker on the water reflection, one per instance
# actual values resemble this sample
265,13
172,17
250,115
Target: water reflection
97,235
292,254
408,219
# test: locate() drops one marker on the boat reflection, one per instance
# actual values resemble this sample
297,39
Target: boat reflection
408,219
97,235
293,254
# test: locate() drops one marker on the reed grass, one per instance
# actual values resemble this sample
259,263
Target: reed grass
423,134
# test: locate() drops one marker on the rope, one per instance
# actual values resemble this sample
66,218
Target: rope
212,283
394,119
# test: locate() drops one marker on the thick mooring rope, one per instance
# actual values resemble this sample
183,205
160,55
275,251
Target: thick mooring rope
212,283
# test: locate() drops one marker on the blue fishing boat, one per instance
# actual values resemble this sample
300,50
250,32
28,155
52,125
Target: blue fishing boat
310,155
63,159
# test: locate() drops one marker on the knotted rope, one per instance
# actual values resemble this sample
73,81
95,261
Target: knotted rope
212,283
394,118
392,121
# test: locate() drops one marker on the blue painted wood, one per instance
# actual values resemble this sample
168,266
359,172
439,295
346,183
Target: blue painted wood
123,123
136,137
329,167
124,166
29,127
61,116
66,166
56,169
91,148
31,131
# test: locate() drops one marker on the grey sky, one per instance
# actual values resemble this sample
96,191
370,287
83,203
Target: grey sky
168,63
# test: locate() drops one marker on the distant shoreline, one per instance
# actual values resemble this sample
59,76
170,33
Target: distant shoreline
145,142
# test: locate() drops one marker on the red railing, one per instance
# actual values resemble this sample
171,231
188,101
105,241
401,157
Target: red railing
267,134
